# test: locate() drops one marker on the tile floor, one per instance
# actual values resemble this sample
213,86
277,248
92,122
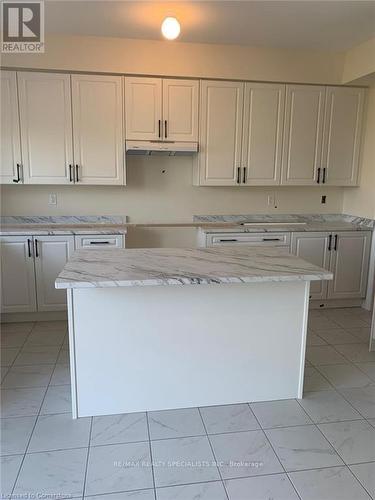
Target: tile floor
319,448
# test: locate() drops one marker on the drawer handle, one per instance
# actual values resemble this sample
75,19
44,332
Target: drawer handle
271,239
228,240
99,243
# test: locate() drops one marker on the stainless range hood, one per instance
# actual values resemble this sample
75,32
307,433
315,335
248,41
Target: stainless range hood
166,148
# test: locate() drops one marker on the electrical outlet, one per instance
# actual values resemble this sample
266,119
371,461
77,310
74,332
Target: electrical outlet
324,199
52,199
271,200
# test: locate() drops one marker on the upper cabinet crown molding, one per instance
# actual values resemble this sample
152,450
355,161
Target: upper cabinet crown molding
161,109
98,137
46,127
11,161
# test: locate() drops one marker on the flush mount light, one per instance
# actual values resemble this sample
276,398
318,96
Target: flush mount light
170,28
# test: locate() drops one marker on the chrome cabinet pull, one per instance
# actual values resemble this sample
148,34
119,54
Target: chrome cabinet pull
318,179
77,171
18,174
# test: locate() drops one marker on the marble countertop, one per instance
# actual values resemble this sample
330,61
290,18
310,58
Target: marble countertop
279,222
39,225
187,266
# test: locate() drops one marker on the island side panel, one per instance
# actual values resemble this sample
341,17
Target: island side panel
159,347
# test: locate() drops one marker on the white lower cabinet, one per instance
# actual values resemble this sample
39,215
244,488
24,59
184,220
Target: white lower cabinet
51,254
345,253
18,292
29,267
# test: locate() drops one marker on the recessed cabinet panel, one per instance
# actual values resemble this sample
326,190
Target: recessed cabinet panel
10,132
313,247
98,129
143,108
51,255
349,264
303,134
220,132
17,275
46,127
342,135
180,110
262,133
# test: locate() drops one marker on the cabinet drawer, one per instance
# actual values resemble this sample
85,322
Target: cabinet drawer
100,241
253,239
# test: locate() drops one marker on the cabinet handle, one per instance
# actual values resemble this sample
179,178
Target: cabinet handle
330,242
99,242
77,171
29,247
165,129
318,179
36,248
238,175
71,173
159,128
244,175
336,238
271,239
324,175
18,174
228,240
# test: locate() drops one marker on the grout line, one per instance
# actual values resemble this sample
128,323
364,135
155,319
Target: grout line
213,454
150,450
357,479
87,459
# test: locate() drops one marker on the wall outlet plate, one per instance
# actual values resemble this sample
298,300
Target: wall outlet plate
52,199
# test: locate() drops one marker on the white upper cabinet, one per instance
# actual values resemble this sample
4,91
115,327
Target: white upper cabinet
303,132
180,110
11,168
46,127
143,108
17,274
262,133
98,129
342,135
349,264
221,110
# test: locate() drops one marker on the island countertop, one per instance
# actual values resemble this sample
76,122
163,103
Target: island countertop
184,266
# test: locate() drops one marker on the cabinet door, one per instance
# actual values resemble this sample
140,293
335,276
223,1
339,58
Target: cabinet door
221,109
51,255
98,129
302,145
143,110
262,133
342,135
10,130
46,127
349,264
17,274
313,247
180,110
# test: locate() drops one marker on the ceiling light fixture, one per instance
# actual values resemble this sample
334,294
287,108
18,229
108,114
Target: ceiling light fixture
170,28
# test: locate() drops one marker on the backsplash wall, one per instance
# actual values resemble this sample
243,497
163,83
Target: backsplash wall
160,190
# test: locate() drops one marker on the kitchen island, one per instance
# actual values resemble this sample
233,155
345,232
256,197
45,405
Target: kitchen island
152,329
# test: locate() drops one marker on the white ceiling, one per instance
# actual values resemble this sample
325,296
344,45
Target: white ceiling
304,24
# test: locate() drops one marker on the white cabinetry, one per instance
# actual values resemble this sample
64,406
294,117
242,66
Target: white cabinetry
46,127
262,133
17,274
11,170
303,133
99,241
221,108
342,135
345,253
51,255
98,129
161,109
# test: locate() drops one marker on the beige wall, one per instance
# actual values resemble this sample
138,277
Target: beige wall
160,190
359,62
361,201
119,55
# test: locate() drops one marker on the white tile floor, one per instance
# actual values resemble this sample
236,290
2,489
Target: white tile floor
319,448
